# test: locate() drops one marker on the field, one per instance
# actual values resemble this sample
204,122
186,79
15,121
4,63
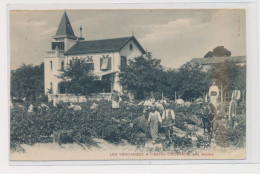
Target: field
96,133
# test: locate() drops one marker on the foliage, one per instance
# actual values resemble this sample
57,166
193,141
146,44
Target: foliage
27,82
113,125
229,75
141,76
218,51
78,78
87,124
191,82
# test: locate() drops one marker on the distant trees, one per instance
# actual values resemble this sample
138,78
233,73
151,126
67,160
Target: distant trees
27,82
219,51
144,76
228,76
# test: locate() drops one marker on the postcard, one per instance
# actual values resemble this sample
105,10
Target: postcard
127,84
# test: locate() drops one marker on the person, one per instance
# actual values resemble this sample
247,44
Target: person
236,94
116,99
211,116
168,120
159,106
218,121
154,119
214,94
232,112
204,114
148,102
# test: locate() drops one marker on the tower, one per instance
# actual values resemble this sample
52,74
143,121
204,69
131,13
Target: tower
64,37
63,40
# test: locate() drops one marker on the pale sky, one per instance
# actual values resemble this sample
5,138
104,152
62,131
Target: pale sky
174,36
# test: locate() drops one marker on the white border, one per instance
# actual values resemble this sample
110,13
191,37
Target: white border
253,124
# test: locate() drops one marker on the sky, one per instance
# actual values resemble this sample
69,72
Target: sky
173,35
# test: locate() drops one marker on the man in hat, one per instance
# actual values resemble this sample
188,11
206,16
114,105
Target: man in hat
168,120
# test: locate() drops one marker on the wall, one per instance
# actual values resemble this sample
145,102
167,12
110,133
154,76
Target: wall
115,60
69,43
130,54
50,76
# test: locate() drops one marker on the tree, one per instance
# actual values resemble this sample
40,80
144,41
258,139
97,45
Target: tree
78,78
219,51
27,82
228,76
191,81
209,54
141,76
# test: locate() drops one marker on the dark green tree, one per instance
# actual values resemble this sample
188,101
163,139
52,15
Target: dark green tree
219,51
191,81
27,82
142,76
78,78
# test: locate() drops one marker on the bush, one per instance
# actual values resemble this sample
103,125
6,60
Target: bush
104,122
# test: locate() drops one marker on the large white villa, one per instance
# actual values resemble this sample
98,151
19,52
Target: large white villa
105,55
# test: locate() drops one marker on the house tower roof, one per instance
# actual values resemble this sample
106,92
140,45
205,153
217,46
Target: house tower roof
65,28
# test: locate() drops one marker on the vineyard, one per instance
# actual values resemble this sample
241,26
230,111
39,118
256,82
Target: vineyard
126,124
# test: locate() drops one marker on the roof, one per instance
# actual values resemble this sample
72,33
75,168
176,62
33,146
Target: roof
215,60
65,28
100,46
103,73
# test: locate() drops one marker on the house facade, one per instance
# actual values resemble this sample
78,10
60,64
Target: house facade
106,56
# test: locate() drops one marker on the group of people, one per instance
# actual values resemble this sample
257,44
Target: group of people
159,112
213,113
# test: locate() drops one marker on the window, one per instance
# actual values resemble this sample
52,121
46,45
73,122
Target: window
123,61
60,45
62,88
51,88
70,62
51,65
62,65
105,63
131,47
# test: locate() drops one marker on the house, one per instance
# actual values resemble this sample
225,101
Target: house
105,56
207,63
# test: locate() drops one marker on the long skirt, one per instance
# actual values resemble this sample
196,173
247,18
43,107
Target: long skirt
154,130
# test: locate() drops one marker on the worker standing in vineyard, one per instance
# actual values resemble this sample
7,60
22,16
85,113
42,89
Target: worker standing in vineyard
154,119
116,99
232,112
168,120
214,94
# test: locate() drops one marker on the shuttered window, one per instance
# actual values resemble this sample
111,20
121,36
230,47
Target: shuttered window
123,61
105,63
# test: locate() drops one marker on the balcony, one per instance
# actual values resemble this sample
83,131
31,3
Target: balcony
54,53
